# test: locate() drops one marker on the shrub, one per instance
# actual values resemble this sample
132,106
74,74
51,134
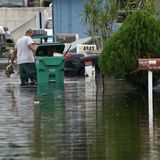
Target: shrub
138,37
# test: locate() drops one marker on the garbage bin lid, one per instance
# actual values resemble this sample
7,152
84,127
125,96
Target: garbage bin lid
48,49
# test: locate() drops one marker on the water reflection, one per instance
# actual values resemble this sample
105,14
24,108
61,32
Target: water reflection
77,121
66,127
16,119
128,130
49,118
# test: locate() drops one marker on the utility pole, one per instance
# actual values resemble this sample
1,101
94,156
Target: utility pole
54,38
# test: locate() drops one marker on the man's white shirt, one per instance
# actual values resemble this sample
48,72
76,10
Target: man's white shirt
24,53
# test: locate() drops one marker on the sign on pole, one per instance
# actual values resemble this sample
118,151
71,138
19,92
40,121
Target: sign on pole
149,64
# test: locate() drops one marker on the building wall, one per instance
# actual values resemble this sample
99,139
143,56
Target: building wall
18,20
67,17
15,17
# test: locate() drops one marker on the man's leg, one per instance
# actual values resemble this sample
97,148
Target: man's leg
30,69
23,75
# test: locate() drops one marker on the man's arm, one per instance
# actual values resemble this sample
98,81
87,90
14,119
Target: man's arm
14,55
32,47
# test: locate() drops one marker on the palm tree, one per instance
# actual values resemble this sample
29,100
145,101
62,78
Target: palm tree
99,16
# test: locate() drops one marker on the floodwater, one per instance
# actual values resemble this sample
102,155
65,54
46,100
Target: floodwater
77,121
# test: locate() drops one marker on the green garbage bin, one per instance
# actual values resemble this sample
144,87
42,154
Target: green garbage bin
50,63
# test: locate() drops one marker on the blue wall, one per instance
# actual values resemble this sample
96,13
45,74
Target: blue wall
67,17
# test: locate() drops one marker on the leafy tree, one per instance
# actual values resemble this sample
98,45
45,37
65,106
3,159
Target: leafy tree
120,52
138,37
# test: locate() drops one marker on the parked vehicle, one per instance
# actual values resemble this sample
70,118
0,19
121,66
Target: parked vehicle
75,63
73,66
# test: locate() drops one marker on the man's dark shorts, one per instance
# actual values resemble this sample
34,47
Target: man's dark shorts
27,72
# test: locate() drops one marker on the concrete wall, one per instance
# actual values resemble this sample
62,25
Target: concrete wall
18,32
20,19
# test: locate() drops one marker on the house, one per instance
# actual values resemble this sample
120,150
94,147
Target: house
67,18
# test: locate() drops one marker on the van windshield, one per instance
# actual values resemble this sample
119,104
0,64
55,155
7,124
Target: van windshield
11,3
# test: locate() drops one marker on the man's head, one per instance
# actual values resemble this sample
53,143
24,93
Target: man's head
29,33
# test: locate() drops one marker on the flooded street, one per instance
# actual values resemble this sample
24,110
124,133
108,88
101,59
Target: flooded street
77,121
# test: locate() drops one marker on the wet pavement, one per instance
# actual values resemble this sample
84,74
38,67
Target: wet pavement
77,120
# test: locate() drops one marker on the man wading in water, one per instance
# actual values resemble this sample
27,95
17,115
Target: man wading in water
24,52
